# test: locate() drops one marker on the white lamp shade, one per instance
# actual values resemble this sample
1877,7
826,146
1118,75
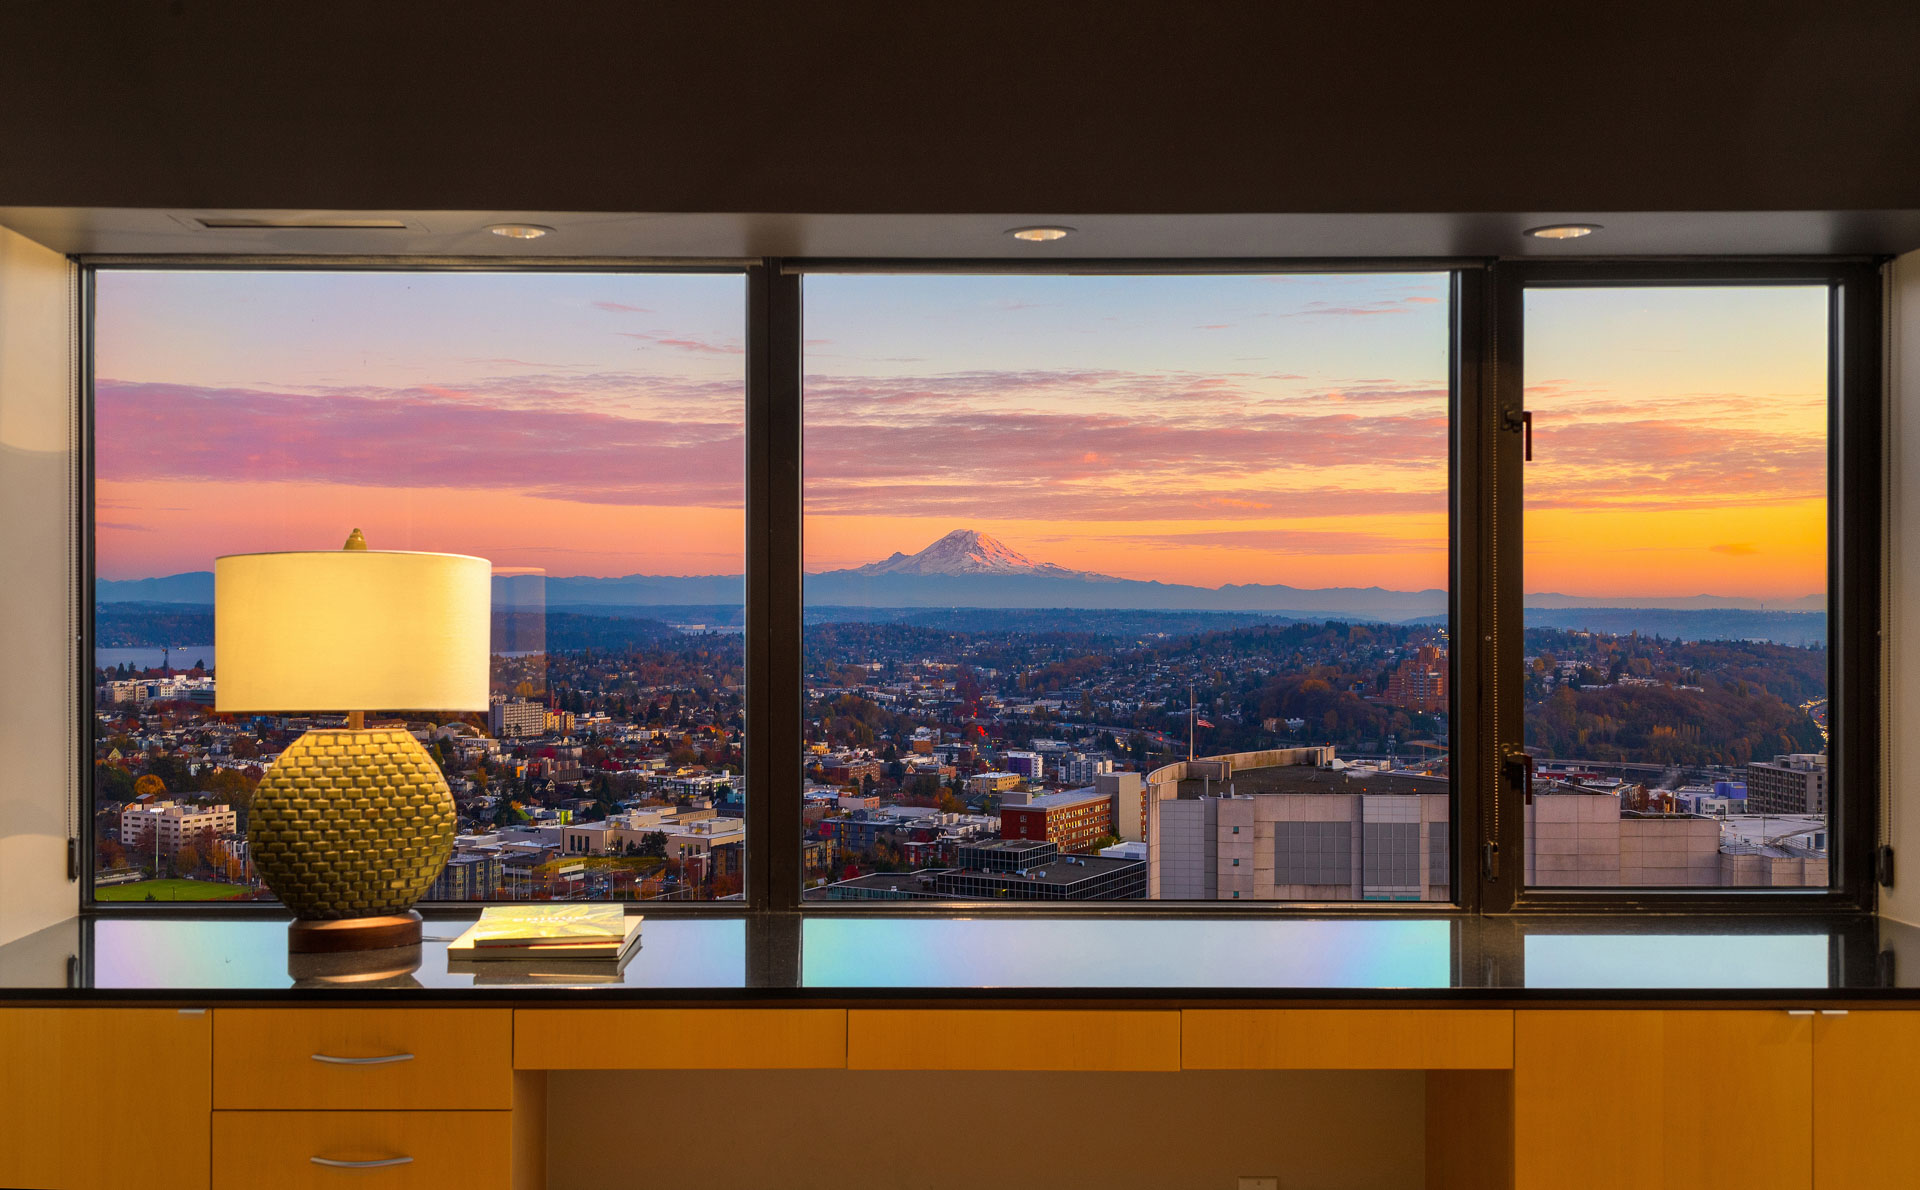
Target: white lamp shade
351,630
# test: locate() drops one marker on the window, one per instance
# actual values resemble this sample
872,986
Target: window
582,430
1128,564
1112,586
1676,669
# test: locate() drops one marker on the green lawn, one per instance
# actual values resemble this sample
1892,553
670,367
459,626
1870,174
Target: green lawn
168,890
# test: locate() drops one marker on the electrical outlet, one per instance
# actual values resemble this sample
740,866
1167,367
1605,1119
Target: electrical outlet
1259,1183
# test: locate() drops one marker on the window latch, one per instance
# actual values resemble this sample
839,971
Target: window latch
1518,764
1520,421
1490,860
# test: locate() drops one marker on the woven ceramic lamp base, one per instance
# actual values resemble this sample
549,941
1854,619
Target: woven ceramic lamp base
349,829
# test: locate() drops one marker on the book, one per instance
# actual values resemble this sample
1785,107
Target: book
471,947
548,924
496,971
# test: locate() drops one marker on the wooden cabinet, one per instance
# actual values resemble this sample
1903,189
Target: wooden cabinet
376,1150
1866,1095
1684,1100
363,1058
104,1097
679,1038
1346,1039
1011,1039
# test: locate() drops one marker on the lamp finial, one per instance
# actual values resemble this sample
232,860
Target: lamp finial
355,541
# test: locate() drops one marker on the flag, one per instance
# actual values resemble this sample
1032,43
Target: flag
1202,723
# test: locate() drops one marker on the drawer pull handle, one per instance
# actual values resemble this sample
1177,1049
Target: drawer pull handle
1799,1012
382,1060
1833,1012
383,1163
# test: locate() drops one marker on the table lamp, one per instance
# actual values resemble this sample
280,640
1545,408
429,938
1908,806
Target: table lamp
350,827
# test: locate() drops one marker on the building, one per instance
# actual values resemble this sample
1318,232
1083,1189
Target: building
171,825
1030,765
1420,682
1053,877
1287,824
852,770
468,876
1072,820
992,782
1795,784
1077,768
515,717
1129,794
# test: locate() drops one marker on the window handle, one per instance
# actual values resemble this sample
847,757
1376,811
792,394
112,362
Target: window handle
382,1163
1526,428
382,1060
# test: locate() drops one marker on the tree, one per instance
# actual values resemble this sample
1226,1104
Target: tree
654,845
186,860
149,785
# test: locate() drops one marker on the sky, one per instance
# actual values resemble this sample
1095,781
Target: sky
1208,430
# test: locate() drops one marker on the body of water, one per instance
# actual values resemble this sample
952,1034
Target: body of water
179,656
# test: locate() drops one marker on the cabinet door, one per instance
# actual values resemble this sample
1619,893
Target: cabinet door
1625,1100
1866,1093
105,1097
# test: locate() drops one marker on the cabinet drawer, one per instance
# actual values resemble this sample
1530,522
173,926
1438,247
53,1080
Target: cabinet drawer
679,1039
362,1058
377,1150
1347,1039
1011,1039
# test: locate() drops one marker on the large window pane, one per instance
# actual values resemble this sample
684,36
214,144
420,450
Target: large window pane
1676,668
1126,586
582,431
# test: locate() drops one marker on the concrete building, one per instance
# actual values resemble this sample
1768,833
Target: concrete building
1285,825
1030,765
1071,820
515,717
1129,794
1076,768
468,876
1795,784
175,825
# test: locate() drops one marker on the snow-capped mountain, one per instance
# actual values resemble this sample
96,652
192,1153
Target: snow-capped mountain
969,551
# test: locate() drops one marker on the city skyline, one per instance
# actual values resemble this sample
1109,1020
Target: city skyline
1198,430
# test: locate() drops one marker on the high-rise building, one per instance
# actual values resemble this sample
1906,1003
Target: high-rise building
1420,682
515,717
1077,768
1795,784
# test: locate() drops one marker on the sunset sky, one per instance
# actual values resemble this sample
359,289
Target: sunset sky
1200,430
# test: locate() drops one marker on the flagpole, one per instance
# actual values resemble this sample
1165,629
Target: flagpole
1189,720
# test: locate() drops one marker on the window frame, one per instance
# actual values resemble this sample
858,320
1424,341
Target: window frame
1486,860
1854,561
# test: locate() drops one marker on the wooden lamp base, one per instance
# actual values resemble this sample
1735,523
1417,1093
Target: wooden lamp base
354,933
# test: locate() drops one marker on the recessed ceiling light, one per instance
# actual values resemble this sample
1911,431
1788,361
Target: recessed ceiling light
1039,235
1563,231
519,231
291,223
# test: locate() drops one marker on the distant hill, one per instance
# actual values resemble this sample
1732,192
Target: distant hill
970,569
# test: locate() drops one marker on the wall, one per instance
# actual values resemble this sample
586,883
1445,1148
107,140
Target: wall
36,700
990,106
834,1130
1901,713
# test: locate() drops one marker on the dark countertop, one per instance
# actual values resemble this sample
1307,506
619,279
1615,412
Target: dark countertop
1162,959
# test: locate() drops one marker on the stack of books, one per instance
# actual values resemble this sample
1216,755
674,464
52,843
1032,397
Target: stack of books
549,943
